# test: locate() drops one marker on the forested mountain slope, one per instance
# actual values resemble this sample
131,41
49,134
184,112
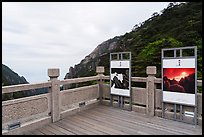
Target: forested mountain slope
178,25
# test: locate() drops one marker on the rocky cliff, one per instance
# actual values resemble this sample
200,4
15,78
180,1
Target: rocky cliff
178,25
88,65
10,77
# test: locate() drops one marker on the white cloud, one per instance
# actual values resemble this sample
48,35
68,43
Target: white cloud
37,36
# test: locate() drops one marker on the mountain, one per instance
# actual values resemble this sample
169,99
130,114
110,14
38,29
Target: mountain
184,85
88,65
178,25
10,77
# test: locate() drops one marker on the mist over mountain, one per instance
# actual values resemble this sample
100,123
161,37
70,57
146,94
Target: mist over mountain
178,25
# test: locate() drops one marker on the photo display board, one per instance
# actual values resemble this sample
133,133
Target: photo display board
120,77
179,80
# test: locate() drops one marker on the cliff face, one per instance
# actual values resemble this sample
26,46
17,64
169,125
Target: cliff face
88,65
10,77
178,25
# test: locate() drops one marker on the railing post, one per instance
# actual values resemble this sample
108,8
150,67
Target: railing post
55,94
100,71
151,71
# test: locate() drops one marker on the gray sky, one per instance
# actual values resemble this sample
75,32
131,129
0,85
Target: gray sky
37,36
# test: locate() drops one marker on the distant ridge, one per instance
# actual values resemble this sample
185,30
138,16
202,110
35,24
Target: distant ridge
178,25
10,77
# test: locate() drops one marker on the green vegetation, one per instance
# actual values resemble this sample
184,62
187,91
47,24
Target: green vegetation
178,25
153,47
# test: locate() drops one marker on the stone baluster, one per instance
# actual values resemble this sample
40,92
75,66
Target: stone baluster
55,94
100,71
150,88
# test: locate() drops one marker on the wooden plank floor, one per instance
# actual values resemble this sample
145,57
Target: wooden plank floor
104,120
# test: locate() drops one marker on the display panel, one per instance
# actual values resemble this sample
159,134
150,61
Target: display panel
120,79
179,81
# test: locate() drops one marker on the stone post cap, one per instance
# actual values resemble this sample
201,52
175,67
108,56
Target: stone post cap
100,70
53,72
151,70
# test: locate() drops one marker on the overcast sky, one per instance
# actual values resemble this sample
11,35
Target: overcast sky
38,36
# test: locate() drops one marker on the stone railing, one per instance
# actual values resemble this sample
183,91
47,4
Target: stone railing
36,111
148,99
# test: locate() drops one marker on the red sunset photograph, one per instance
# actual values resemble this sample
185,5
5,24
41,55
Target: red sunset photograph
179,80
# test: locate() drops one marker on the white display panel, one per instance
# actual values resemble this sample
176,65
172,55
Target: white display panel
121,92
120,64
181,98
120,79
179,81
174,63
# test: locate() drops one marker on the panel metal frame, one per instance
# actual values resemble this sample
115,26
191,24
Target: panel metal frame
121,98
180,104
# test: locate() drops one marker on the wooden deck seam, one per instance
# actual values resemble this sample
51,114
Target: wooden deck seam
149,123
128,127
105,120
158,120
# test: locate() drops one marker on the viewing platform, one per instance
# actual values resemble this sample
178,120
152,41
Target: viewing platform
104,120
87,110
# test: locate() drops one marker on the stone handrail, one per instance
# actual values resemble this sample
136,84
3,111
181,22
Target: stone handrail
134,79
21,87
48,107
148,100
145,100
79,80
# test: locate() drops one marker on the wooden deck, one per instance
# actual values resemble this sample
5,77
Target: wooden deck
103,120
